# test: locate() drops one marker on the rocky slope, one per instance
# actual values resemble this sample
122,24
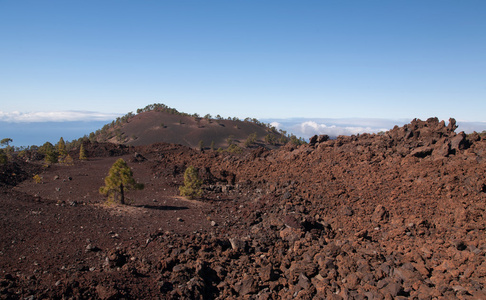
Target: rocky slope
169,126
392,216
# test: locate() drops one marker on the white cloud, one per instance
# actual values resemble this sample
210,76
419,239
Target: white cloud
55,116
310,128
469,127
306,127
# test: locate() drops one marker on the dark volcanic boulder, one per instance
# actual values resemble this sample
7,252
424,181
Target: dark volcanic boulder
459,141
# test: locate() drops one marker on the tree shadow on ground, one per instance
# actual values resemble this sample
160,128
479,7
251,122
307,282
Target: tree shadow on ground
163,207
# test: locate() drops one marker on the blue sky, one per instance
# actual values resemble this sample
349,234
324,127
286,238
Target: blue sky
265,59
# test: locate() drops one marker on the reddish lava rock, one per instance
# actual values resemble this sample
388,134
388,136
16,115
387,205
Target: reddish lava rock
378,216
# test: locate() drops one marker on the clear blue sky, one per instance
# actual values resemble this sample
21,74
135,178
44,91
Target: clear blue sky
263,59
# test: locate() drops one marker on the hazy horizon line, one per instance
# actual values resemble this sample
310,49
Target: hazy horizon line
87,115
48,126
56,116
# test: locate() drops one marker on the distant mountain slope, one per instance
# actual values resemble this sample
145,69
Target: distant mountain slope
163,124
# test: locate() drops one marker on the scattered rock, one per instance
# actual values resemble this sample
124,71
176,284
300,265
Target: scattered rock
460,245
459,141
247,285
395,215
137,157
106,293
380,214
92,248
292,222
347,211
237,244
422,152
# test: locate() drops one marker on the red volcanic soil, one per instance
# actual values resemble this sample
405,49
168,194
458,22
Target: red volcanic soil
160,126
393,216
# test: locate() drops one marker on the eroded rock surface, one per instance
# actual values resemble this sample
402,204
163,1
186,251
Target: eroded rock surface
396,215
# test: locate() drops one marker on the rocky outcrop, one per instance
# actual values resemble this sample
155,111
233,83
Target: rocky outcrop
395,215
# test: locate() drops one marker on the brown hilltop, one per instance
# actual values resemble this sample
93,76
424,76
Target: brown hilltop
398,215
163,124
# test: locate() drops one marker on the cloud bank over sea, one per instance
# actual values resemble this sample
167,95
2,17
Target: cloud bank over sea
35,128
55,116
306,128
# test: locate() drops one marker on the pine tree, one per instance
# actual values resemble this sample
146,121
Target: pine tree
252,138
61,150
49,152
61,147
3,157
6,141
119,179
68,160
82,153
192,184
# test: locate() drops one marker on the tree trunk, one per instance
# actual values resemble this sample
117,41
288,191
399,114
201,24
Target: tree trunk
122,194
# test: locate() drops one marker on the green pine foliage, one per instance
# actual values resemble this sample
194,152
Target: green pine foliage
251,140
270,139
61,147
50,153
37,179
192,184
61,151
82,153
296,141
3,157
68,160
6,141
233,148
119,179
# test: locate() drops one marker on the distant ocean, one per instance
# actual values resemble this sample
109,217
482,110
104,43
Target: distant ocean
37,133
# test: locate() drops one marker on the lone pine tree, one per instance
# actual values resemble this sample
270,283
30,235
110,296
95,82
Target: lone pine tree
192,184
50,153
61,148
62,152
82,153
119,179
6,141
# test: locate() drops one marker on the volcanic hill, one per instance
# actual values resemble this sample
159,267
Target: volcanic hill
158,123
397,215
